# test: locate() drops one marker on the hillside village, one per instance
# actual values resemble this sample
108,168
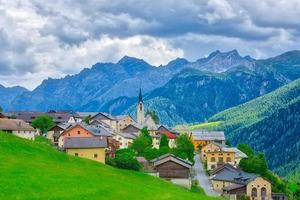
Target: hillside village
100,136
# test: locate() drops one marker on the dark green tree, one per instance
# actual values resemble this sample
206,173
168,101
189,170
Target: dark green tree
184,148
246,149
43,123
1,109
87,119
126,159
164,141
154,116
143,141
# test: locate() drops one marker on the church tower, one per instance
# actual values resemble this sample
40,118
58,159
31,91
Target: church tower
140,110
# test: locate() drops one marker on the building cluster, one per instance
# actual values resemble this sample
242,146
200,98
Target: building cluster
97,139
222,163
105,133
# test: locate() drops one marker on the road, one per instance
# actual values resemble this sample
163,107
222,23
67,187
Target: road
202,178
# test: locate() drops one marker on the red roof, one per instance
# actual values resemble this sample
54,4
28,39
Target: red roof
168,134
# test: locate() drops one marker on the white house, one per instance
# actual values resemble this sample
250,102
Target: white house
18,127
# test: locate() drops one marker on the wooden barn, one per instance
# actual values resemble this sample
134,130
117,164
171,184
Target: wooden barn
172,168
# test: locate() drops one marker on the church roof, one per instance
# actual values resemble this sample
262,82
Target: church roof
140,96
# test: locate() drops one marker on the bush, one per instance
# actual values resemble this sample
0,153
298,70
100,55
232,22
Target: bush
143,141
164,141
110,161
184,148
43,123
126,159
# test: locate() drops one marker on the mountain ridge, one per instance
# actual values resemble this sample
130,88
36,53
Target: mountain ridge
111,87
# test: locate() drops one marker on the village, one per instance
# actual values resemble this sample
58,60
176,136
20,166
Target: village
104,138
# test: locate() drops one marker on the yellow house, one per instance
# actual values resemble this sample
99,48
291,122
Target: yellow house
203,137
92,148
217,154
234,183
217,158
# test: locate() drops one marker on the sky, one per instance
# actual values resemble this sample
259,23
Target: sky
54,38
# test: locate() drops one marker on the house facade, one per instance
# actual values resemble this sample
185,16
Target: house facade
18,127
54,133
117,123
82,130
174,169
233,183
125,139
216,154
201,138
92,148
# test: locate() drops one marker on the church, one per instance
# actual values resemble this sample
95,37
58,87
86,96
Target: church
142,120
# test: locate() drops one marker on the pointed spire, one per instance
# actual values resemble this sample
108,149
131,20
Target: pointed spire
140,96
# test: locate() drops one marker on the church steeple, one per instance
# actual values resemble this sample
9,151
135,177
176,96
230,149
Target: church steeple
140,115
140,96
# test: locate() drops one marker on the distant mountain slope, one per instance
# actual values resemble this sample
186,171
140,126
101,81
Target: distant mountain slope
8,94
92,88
271,124
51,174
193,95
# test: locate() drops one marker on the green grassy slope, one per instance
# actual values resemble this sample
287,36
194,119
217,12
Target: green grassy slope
35,170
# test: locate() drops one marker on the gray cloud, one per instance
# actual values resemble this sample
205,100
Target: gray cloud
39,38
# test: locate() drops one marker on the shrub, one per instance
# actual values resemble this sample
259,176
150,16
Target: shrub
126,159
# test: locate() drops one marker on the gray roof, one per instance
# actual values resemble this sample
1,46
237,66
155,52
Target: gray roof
234,176
128,135
85,114
208,135
14,125
85,142
225,148
111,117
29,116
95,130
238,153
170,157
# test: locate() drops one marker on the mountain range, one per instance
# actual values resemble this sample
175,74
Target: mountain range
180,92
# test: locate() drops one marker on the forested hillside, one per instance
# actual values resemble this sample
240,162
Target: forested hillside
270,124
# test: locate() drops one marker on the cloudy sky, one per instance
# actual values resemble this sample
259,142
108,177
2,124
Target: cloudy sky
41,39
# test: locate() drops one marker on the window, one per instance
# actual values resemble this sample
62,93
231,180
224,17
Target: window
228,159
69,134
95,155
213,159
78,132
76,154
220,160
263,193
254,193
